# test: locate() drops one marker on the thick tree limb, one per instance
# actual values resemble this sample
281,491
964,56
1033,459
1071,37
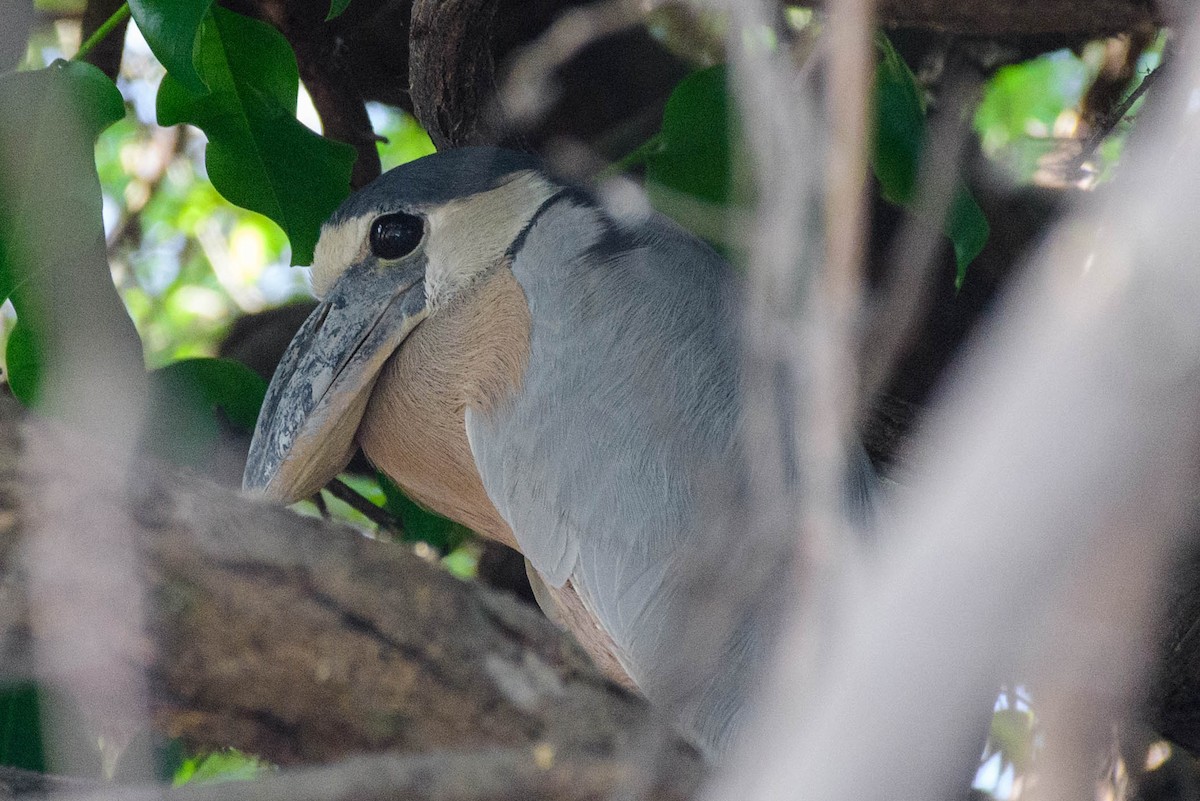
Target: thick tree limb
452,65
304,642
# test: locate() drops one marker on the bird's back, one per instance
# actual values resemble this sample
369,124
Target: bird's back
627,410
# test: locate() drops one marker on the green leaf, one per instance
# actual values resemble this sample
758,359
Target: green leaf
222,384
24,360
899,126
1012,735
92,99
259,155
689,169
692,154
688,163
896,156
21,728
224,766
462,562
172,29
336,8
49,121
968,230
421,525
1021,102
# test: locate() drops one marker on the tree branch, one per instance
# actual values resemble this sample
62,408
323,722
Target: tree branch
300,641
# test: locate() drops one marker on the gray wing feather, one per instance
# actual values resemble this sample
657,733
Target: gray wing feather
629,396
628,409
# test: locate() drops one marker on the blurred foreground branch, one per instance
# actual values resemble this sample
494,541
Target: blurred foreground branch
484,775
1051,492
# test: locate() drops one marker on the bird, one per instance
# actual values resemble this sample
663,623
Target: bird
558,377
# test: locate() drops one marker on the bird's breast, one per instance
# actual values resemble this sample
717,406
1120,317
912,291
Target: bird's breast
472,354
469,354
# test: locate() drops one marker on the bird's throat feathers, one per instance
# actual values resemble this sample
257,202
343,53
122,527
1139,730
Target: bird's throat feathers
472,356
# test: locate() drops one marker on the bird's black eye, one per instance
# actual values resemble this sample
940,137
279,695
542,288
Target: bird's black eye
396,235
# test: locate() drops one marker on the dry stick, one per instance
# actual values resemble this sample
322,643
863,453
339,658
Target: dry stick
322,508
1113,118
848,85
800,321
1105,628
84,586
527,94
786,138
380,517
731,565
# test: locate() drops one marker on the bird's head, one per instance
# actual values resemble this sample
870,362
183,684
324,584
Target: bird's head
395,253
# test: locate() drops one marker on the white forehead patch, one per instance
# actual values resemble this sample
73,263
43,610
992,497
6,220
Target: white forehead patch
341,244
470,235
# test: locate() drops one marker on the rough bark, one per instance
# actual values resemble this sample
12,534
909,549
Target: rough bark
304,642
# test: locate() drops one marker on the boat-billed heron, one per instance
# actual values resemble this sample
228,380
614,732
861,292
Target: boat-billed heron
520,361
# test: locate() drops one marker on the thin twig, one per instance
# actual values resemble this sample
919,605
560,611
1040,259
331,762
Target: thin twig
1113,118
119,16
377,515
